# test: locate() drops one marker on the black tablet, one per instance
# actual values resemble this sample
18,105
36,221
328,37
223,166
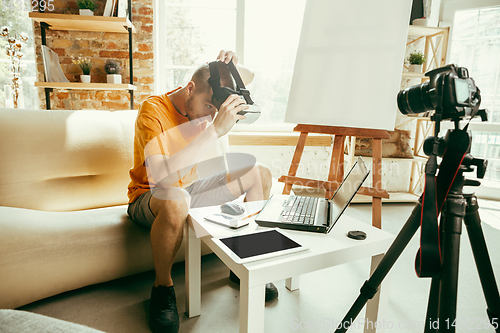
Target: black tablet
259,245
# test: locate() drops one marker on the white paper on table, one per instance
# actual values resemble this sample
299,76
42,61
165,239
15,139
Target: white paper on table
227,222
204,228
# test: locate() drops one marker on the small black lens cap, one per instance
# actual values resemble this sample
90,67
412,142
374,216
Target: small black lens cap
356,234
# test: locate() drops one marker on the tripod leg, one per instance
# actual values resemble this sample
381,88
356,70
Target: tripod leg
483,262
370,287
454,212
431,323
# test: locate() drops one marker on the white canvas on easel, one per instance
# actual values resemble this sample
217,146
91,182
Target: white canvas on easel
349,63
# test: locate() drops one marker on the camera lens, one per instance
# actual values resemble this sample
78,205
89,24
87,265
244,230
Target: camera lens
415,100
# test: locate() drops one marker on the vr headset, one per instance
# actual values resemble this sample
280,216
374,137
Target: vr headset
220,94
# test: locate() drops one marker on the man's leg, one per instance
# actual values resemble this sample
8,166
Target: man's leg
170,207
254,180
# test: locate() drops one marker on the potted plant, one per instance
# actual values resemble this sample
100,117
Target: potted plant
86,7
113,70
86,65
416,60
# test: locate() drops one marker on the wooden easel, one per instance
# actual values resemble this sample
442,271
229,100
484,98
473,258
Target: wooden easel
336,172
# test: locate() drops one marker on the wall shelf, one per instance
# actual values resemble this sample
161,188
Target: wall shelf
67,22
83,23
435,49
85,86
419,31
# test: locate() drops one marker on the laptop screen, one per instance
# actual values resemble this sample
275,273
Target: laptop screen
346,191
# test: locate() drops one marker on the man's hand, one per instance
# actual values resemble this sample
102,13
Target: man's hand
227,56
227,115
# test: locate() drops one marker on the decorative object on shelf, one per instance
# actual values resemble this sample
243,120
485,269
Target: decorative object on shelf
122,8
108,9
420,22
397,146
416,59
85,78
53,70
86,65
86,7
113,70
13,50
417,9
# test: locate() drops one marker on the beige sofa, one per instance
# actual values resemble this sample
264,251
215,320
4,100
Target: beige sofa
63,220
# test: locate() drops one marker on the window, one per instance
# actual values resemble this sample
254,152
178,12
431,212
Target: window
475,44
18,21
264,34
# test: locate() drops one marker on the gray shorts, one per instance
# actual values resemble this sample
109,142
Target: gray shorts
210,191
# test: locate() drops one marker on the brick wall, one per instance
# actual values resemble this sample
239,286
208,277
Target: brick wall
100,46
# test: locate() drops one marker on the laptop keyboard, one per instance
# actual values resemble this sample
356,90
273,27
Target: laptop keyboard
299,210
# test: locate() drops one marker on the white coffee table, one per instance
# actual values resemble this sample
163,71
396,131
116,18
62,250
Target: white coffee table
325,250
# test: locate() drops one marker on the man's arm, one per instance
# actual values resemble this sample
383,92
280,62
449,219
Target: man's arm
170,169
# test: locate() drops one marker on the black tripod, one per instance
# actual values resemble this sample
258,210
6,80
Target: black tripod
458,207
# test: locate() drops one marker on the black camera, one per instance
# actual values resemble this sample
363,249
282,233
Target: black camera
449,91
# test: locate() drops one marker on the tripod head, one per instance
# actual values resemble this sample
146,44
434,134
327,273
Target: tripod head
454,138
468,161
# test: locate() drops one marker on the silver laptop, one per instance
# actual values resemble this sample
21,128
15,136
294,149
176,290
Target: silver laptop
313,214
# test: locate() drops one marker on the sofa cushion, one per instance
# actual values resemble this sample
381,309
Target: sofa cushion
60,160
13,321
46,253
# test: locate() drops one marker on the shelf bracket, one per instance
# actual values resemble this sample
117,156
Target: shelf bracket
44,26
131,58
47,97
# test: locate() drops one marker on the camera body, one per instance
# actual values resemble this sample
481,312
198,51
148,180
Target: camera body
449,91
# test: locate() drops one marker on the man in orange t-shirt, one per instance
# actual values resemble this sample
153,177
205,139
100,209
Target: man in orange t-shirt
172,132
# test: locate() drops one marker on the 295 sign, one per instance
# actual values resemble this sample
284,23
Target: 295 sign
29,5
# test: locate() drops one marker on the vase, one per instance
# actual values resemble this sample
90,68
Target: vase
85,78
415,68
114,78
13,97
86,12
9,101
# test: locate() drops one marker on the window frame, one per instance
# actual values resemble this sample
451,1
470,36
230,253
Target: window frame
160,67
448,10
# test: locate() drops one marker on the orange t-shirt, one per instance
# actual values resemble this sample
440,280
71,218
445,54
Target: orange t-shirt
158,130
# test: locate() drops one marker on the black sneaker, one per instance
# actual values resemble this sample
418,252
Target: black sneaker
271,290
163,316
